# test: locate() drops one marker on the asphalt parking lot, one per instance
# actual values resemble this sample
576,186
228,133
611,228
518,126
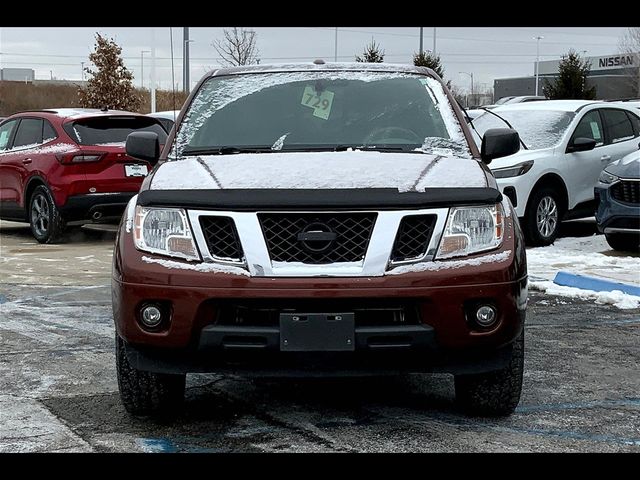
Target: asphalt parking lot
58,389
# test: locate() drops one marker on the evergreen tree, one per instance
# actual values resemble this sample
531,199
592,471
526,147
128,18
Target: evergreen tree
429,60
571,81
110,85
372,54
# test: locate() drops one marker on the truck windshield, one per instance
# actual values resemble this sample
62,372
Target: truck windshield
320,110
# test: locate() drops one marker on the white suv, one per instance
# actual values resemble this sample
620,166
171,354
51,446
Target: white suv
565,146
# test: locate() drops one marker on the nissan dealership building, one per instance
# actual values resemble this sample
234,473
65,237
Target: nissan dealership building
614,76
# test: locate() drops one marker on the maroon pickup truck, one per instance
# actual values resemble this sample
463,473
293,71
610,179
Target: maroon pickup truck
320,219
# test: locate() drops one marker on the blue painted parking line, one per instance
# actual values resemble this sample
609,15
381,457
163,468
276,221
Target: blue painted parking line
3,299
585,282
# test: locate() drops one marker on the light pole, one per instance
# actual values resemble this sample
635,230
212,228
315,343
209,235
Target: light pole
421,47
335,50
471,75
537,39
434,41
187,65
82,71
142,52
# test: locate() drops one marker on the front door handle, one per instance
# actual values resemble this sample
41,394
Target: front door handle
605,158
27,161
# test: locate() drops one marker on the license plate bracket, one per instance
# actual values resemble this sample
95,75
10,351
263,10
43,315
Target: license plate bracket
135,170
317,332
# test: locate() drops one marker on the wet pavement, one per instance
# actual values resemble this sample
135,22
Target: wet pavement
58,389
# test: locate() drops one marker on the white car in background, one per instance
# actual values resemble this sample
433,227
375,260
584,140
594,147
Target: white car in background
166,118
565,146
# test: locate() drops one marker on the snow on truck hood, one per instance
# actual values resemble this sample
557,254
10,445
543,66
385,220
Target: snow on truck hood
319,170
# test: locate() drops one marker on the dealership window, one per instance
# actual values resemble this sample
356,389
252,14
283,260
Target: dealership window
590,127
618,125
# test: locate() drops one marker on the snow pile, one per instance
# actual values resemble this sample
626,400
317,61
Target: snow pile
445,264
589,256
198,267
320,170
615,298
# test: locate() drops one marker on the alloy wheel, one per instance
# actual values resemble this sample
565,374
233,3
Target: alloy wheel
547,216
40,214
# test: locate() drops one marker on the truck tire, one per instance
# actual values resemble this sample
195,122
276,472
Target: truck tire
629,242
47,224
494,393
542,217
147,393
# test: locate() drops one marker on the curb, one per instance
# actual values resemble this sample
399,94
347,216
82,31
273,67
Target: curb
592,283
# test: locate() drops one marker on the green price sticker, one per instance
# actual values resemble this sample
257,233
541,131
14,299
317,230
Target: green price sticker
321,103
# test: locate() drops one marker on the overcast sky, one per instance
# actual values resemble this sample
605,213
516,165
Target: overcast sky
488,53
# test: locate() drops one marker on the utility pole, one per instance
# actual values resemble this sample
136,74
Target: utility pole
434,41
335,51
153,70
186,82
421,42
471,75
538,38
82,71
142,52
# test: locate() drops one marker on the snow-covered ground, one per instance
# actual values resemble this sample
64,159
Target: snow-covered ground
586,256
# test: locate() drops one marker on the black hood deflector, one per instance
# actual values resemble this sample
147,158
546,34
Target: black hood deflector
309,199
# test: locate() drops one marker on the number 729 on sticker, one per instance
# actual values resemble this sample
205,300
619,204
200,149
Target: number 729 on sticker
321,103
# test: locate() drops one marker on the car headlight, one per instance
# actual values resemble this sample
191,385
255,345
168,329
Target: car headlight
165,231
607,178
471,230
514,171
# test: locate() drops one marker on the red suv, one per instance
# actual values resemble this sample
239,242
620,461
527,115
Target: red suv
69,166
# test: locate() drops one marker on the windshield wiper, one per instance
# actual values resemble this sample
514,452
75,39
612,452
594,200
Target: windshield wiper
226,150
371,148
505,121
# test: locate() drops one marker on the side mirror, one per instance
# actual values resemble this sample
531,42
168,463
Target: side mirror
499,142
581,144
144,146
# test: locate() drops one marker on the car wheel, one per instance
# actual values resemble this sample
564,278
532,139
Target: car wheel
494,393
147,393
542,218
47,224
628,242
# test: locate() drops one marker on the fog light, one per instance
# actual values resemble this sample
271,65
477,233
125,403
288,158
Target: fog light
486,316
151,316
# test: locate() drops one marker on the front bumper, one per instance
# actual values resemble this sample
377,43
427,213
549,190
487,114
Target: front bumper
613,216
443,337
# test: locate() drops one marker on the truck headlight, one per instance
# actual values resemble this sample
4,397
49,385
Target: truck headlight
471,230
607,178
165,231
514,171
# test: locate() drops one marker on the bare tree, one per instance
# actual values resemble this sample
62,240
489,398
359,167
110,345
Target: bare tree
630,44
238,47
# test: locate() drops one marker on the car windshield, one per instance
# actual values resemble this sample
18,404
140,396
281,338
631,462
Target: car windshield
105,130
331,110
537,128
